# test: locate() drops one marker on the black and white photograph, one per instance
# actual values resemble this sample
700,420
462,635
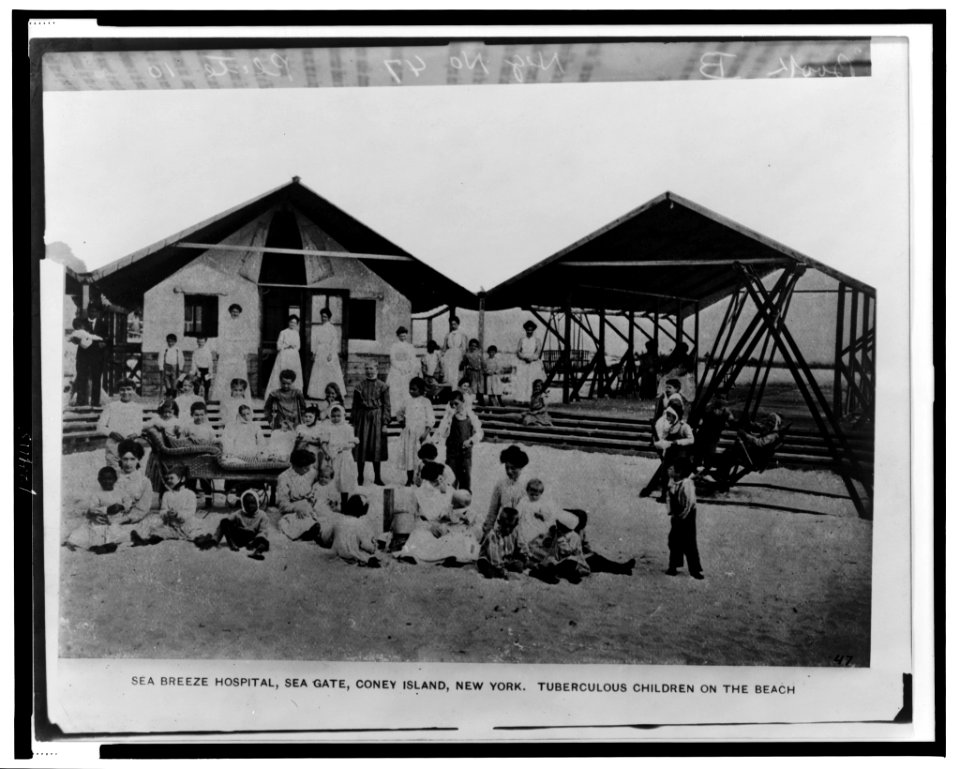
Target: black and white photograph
560,369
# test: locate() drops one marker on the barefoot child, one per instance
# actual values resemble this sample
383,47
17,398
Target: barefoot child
177,517
417,416
353,541
370,416
120,420
100,532
461,430
682,507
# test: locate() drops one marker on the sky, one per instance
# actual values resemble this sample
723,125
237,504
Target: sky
483,181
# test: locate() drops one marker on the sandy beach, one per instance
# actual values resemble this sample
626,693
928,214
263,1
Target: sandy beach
781,588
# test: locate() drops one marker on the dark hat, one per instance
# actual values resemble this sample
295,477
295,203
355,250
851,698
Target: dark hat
529,324
515,456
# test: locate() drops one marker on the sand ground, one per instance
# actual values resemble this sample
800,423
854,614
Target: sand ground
786,589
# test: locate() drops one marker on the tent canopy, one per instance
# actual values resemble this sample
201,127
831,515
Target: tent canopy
125,280
668,256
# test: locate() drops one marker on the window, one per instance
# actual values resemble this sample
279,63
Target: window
201,315
362,318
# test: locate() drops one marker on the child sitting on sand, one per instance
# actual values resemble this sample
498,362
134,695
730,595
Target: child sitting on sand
428,453
536,514
295,495
503,549
682,507
595,561
353,541
100,533
177,517
559,553
246,528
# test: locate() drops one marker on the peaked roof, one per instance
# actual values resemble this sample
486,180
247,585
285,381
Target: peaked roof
669,255
125,279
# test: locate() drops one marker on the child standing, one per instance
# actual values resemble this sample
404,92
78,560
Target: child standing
353,541
417,416
466,390
537,410
670,394
202,366
370,414
120,420
461,430
492,386
100,532
245,528
177,517
430,365
171,366
185,398
682,507
672,438
339,447
473,369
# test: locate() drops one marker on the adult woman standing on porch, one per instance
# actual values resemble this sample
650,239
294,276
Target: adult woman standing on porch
326,358
231,355
454,346
288,355
529,364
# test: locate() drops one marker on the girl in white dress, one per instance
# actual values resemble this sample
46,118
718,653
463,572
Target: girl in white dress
404,366
288,354
340,442
326,358
231,355
454,346
418,418
529,365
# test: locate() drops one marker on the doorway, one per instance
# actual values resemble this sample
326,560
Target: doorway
278,303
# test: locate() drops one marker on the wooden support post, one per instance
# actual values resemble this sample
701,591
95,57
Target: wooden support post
84,298
854,317
601,378
656,329
865,386
628,373
678,326
567,367
838,352
696,345
481,299
430,329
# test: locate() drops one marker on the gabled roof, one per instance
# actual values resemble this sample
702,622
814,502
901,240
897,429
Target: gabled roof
666,256
125,280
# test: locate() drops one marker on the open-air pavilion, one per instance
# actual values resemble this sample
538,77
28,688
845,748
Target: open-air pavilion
659,267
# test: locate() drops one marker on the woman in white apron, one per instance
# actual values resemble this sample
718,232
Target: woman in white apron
454,346
288,355
529,364
231,355
404,366
326,358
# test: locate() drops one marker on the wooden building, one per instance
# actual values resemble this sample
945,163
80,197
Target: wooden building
286,252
